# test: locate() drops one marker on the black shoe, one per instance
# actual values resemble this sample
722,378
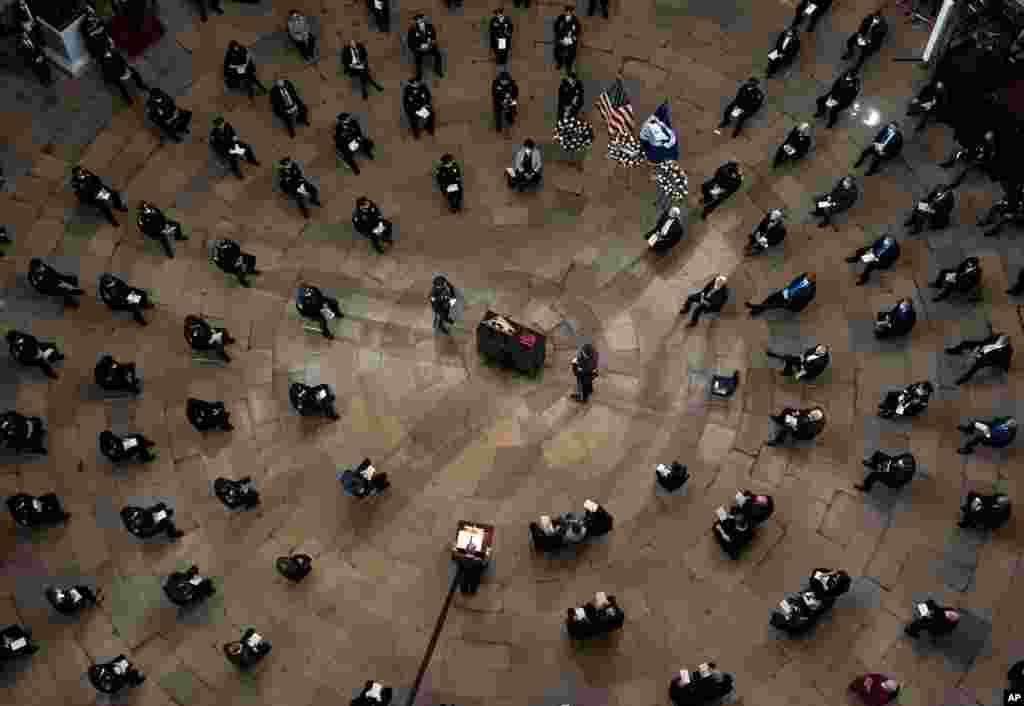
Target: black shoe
852,259
965,428
862,281
867,464
860,487
963,451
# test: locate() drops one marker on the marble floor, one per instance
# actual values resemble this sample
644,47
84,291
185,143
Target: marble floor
464,440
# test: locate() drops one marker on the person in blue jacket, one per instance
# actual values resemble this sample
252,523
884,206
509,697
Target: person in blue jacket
997,434
794,297
888,144
898,321
880,255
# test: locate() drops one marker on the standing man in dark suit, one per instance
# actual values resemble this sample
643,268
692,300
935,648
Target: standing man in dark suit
357,63
567,37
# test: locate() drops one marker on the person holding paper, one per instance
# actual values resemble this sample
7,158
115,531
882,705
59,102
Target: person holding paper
812,10
419,107
249,650
868,38
312,400
787,46
226,143
993,351
28,350
727,180
888,144
842,198
122,448
121,296
796,146
666,232
908,402
748,101
807,366
147,522
312,303
201,336
422,41
800,424
501,36
357,63
349,140
934,211
227,255
988,512
155,225
935,619
240,69
840,97
20,432
449,180
769,232
671,477
208,416
368,222
526,167
185,587
710,299
702,685
162,110
880,255
295,184
965,278
898,321
505,92
364,480
90,190
567,37
793,297
891,471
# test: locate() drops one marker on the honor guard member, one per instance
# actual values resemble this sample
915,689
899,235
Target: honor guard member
368,222
116,71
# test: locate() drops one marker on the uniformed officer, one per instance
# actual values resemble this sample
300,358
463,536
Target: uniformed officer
368,222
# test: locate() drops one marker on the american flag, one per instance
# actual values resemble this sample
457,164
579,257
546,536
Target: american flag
616,109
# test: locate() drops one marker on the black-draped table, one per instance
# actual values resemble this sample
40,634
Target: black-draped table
510,343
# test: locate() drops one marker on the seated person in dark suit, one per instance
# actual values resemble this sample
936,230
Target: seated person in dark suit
933,618
808,366
898,321
880,255
794,297
710,299
891,471
800,424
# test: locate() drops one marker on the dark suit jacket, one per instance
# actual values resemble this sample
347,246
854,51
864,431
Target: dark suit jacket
346,58
416,38
564,27
277,97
